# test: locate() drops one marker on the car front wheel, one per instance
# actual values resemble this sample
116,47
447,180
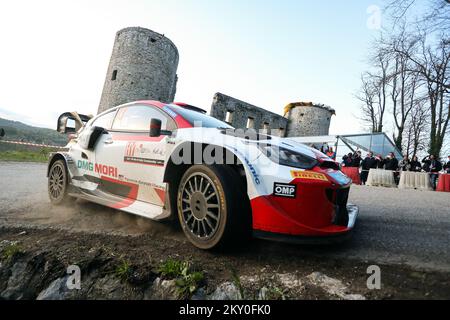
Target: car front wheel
57,183
213,207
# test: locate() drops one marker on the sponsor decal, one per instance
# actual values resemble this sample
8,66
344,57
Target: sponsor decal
152,162
98,168
253,171
308,175
139,150
250,166
284,190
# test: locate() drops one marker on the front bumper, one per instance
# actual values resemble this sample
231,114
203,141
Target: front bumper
325,238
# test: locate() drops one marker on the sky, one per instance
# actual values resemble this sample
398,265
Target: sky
54,54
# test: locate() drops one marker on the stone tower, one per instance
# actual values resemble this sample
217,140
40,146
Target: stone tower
308,119
143,66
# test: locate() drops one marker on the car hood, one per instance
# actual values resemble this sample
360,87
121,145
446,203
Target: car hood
234,139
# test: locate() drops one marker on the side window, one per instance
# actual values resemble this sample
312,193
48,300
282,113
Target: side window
105,121
137,118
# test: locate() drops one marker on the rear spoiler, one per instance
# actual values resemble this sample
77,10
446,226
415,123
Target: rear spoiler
189,107
79,121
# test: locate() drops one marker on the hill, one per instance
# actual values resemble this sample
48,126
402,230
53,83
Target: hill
18,131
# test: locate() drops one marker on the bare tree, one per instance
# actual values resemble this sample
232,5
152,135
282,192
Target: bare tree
403,84
435,18
367,95
434,66
379,81
431,64
416,129
373,95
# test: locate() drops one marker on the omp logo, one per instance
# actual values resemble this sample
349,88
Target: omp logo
284,190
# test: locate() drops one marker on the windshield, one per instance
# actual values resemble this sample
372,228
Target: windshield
198,119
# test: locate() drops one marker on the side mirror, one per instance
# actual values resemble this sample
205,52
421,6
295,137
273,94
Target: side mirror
155,127
71,122
2,132
89,138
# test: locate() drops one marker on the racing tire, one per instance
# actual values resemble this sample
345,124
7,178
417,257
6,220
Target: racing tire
213,207
57,183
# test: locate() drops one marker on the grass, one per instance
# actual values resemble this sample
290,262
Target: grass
123,270
187,279
172,268
275,293
237,282
27,156
11,250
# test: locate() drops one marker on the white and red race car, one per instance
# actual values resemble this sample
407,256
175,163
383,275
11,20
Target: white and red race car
160,160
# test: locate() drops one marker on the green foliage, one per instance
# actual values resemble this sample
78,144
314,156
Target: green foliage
275,293
11,250
172,268
25,155
123,270
188,283
237,283
187,279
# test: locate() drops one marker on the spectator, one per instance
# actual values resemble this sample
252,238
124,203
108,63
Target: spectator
368,163
331,153
391,162
347,160
380,161
356,159
447,166
432,166
405,164
415,164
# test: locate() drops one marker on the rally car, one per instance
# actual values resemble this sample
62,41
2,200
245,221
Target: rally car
163,161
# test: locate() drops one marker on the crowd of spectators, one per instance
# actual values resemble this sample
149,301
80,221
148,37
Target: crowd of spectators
429,164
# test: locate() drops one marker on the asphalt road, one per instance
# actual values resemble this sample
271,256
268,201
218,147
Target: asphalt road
394,227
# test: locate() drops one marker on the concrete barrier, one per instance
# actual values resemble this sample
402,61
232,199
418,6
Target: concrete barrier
381,178
414,180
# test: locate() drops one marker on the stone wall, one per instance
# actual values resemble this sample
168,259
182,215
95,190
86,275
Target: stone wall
143,66
241,111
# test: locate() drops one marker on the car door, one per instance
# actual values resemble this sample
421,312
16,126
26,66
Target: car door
135,159
84,155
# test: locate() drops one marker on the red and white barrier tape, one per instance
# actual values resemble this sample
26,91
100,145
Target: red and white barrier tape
31,144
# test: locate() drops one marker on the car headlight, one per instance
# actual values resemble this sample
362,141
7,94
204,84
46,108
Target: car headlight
287,157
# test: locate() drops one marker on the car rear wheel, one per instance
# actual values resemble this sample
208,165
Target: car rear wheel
213,207
57,183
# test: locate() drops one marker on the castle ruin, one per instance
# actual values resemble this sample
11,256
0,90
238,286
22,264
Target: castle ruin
143,66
